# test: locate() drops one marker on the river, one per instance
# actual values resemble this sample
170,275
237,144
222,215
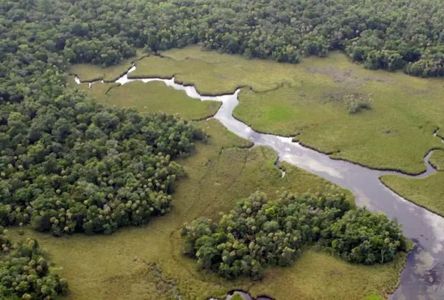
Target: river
423,275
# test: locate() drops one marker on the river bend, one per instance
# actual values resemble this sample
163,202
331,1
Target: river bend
423,275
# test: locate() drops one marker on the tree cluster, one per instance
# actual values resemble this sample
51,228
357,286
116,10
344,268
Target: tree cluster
70,165
258,233
25,273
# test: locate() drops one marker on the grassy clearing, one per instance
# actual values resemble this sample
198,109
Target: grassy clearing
308,99
88,72
146,262
151,97
427,192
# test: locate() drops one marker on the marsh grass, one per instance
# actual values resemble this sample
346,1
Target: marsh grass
152,97
88,72
291,99
437,160
427,192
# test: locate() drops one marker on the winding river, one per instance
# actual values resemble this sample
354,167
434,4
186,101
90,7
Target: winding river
423,275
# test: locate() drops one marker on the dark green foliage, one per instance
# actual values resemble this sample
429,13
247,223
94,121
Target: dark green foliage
25,273
364,237
68,164
258,233
381,34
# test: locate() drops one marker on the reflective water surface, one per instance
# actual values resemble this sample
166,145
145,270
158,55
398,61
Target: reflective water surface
423,275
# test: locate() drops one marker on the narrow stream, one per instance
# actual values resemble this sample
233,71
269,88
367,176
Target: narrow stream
423,276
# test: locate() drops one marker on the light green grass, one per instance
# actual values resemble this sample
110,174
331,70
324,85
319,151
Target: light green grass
427,192
146,262
88,72
152,97
307,99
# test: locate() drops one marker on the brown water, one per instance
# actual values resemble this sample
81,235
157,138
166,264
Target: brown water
423,276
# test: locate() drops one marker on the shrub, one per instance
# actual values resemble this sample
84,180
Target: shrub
356,103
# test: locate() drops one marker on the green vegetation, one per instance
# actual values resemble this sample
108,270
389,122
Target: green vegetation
214,73
70,165
364,237
25,273
221,170
389,35
427,192
152,97
236,296
357,103
437,160
89,72
310,101
257,233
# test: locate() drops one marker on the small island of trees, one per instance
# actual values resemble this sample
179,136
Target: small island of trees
258,233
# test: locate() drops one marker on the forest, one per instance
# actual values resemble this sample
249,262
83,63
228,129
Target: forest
258,233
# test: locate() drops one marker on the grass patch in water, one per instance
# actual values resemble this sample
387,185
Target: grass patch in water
147,263
427,192
309,99
437,160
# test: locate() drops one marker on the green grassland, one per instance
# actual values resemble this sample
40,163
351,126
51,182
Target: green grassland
214,73
151,97
307,100
147,263
427,192
88,72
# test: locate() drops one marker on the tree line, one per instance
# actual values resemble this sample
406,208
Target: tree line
258,233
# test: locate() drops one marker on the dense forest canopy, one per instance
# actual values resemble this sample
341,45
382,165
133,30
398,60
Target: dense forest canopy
258,233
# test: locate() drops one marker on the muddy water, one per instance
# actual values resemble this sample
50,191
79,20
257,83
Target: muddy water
423,275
